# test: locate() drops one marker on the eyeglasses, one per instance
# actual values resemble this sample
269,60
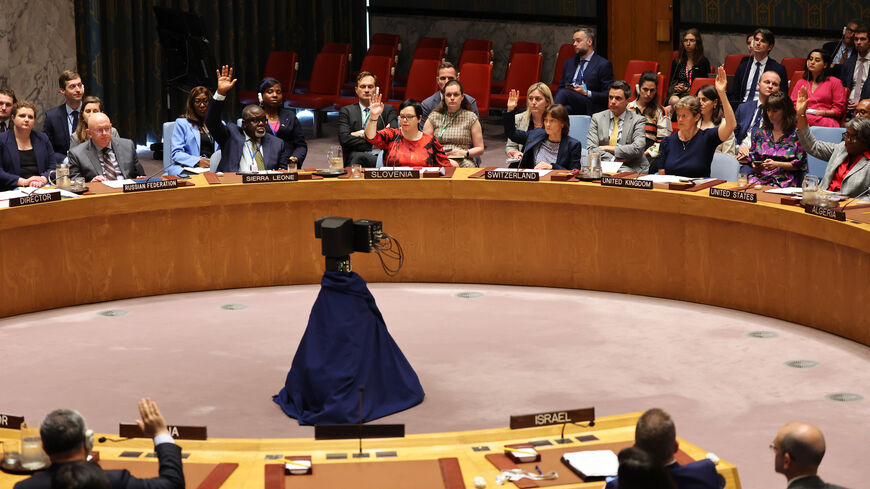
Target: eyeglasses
407,117
200,101
849,137
257,120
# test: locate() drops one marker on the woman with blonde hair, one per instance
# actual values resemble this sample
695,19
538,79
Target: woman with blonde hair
538,99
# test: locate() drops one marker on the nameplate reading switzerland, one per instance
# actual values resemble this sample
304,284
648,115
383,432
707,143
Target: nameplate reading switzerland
724,193
554,417
11,422
176,431
34,198
626,183
147,186
272,177
521,176
827,212
391,174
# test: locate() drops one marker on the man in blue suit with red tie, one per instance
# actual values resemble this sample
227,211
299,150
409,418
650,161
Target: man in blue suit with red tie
585,78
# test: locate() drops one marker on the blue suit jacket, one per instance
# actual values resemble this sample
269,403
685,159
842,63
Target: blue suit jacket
56,127
231,139
741,78
10,166
570,149
846,75
743,114
290,131
597,75
700,474
184,146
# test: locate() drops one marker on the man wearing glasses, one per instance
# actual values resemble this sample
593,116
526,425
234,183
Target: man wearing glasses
104,157
798,450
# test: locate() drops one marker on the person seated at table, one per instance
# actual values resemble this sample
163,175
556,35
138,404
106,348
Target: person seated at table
352,118
446,72
192,144
282,120
80,475
585,77
90,105
776,154
618,131
712,115
26,156
637,470
103,157
456,126
538,98
658,124
407,145
827,95
251,147
690,64
848,170
689,151
544,147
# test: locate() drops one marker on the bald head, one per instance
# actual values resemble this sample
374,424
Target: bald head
799,449
100,129
863,108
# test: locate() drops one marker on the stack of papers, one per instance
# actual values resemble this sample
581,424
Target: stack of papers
592,463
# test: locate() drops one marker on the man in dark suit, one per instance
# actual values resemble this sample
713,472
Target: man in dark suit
446,73
250,148
856,69
7,100
749,114
66,439
843,48
585,78
103,157
61,121
656,434
798,450
352,119
744,85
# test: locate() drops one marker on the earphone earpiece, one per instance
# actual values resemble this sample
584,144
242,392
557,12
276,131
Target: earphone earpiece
89,440
260,97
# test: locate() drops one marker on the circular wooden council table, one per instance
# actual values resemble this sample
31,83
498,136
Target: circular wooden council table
761,258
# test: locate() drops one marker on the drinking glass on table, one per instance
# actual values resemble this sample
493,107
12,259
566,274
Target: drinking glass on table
810,190
334,156
742,179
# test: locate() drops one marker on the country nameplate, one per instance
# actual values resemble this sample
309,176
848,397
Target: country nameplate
517,176
724,193
391,174
148,186
11,422
34,198
552,417
626,183
826,212
176,431
271,177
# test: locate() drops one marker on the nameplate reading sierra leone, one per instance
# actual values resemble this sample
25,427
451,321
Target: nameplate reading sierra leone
522,176
626,182
555,417
391,174
34,198
271,177
179,432
724,193
11,422
827,212
146,186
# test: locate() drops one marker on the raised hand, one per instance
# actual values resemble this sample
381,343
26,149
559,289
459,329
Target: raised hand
721,80
513,98
803,99
376,106
225,80
151,422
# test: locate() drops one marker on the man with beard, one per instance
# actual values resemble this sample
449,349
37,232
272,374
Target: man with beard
585,78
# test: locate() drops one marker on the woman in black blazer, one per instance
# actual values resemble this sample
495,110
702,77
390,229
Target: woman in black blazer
282,121
26,156
548,147
689,64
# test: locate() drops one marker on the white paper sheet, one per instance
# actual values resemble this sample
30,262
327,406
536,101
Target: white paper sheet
195,169
117,183
656,178
594,463
785,191
609,166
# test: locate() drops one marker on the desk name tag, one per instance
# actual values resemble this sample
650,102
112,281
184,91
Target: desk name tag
626,183
147,186
520,176
724,193
271,177
34,198
11,422
827,212
176,431
391,174
554,417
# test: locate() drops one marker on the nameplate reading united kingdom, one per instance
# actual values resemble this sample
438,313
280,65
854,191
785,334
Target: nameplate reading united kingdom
391,174
724,193
147,186
553,417
271,177
520,176
34,198
11,422
176,431
626,182
826,212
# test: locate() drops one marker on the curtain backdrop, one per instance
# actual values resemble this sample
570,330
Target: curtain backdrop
121,61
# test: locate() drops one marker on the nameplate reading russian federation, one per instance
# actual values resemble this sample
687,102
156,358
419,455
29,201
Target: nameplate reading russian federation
554,417
34,198
724,193
271,177
391,174
626,183
11,422
176,431
146,186
521,176
827,212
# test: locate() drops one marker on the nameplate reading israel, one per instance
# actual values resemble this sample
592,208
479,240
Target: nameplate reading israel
391,174
271,177
34,198
554,417
11,422
826,212
626,182
521,176
147,186
724,193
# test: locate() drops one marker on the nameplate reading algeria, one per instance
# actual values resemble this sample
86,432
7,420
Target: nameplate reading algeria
11,422
827,212
554,417
271,177
626,183
178,432
147,186
391,174
520,176
724,193
34,198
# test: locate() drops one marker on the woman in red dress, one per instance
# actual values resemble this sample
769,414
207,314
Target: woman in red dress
407,145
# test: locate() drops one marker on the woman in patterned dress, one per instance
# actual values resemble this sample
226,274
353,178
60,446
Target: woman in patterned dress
776,154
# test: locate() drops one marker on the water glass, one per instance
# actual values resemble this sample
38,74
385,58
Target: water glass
742,179
334,157
356,170
291,166
32,456
595,165
810,190
79,183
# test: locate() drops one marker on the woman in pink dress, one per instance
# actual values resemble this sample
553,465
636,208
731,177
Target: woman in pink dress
827,96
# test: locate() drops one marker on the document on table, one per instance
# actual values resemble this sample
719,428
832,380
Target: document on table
539,172
195,169
592,463
656,178
610,166
117,183
785,191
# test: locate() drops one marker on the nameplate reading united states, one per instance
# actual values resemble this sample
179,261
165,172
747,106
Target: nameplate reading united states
626,183
147,186
554,417
827,212
521,176
391,174
34,198
176,431
271,177
724,193
11,422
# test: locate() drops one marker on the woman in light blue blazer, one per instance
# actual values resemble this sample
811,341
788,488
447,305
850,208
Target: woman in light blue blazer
191,143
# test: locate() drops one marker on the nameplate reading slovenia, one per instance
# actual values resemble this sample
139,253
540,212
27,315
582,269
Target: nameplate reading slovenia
271,177
626,183
520,176
146,186
391,174
11,422
34,198
176,431
827,212
550,418
724,193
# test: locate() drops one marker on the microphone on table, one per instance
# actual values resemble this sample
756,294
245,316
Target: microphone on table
855,198
149,177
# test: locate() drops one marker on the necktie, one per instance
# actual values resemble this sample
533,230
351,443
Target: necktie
755,120
614,134
108,167
75,121
365,117
3,126
860,80
750,95
258,156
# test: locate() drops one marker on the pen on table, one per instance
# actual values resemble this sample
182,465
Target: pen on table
539,470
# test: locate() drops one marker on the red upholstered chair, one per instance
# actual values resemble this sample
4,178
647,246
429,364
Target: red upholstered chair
732,61
566,51
660,86
381,67
524,70
384,50
387,39
697,83
282,66
638,66
475,46
433,42
329,72
519,47
421,80
475,56
429,53
476,80
671,67
793,64
793,79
